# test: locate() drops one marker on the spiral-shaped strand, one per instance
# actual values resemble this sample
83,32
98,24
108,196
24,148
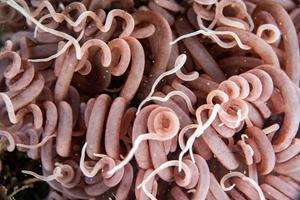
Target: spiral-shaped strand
244,178
180,60
113,109
165,127
254,86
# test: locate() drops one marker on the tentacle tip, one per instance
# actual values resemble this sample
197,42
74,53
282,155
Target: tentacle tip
179,168
13,121
197,75
228,188
99,155
217,107
110,173
182,57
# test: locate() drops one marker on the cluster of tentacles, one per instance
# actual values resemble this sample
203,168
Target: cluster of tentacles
158,99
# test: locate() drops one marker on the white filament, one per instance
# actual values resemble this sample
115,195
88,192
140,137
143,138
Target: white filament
198,132
84,170
35,146
239,118
11,141
180,61
271,129
175,93
100,155
16,6
56,174
243,177
244,137
9,107
269,27
40,20
61,51
214,35
171,163
182,133
206,2
187,77
136,143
